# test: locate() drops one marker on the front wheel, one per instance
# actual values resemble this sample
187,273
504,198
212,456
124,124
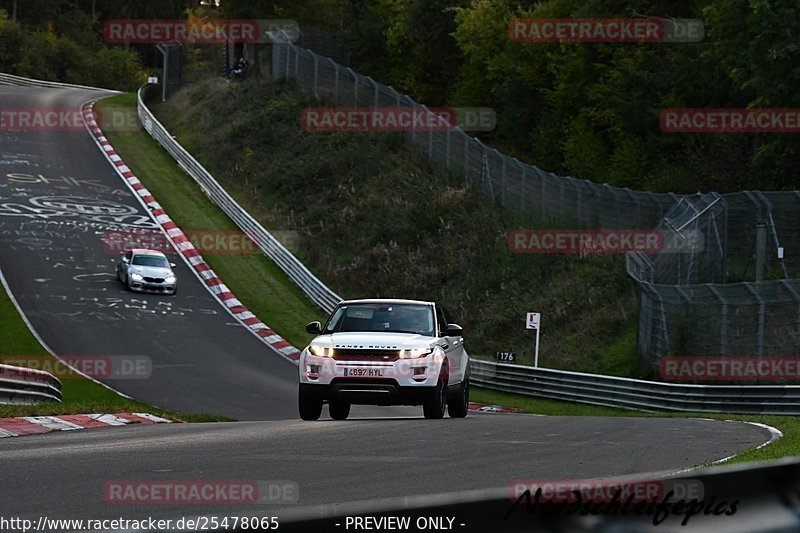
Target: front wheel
339,410
434,407
458,404
309,404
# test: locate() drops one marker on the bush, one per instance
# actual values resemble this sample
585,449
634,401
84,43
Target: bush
43,54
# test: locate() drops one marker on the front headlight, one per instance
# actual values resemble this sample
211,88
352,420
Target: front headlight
321,351
170,279
415,353
136,277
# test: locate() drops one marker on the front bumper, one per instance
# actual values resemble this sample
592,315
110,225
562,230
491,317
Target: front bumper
371,392
144,286
419,372
401,382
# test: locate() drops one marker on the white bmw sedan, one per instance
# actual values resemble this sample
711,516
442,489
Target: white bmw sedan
147,270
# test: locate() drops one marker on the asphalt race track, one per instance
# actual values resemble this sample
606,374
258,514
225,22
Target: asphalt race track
354,460
58,195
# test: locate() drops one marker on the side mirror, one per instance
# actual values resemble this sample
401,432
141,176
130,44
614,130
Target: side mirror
453,330
124,259
172,265
315,328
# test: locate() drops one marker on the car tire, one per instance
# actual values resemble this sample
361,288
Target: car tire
339,410
435,405
309,404
458,403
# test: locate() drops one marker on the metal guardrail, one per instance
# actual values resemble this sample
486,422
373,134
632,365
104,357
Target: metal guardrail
19,385
612,391
317,291
10,79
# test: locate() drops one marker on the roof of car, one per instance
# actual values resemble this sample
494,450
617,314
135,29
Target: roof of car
146,251
386,301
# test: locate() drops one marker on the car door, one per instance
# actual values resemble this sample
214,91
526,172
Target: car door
455,347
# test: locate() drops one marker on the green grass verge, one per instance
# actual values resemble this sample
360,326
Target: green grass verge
80,395
788,445
255,280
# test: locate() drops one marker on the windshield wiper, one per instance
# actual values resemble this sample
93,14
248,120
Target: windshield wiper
399,331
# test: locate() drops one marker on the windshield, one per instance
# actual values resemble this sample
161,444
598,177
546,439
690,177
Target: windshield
150,261
382,317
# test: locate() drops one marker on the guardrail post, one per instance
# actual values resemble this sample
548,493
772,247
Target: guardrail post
316,74
355,87
466,159
335,81
447,150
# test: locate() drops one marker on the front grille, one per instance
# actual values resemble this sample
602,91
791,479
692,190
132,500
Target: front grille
154,280
365,354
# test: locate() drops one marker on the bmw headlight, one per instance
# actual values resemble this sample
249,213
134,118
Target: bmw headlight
415,353
321,351
170,279
136,277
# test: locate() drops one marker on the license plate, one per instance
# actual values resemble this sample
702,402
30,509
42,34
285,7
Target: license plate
364,372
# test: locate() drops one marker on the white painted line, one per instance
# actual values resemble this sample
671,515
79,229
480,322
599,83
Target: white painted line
208,274
7,433
111,420
52,422
154,418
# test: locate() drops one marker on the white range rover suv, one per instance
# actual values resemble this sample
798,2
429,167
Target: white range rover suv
384,352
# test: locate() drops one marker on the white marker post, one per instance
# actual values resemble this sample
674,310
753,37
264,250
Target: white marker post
533,321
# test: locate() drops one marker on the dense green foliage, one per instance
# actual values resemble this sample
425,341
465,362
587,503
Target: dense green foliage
587,109
62,40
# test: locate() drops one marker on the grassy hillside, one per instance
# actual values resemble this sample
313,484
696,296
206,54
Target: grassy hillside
374,219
